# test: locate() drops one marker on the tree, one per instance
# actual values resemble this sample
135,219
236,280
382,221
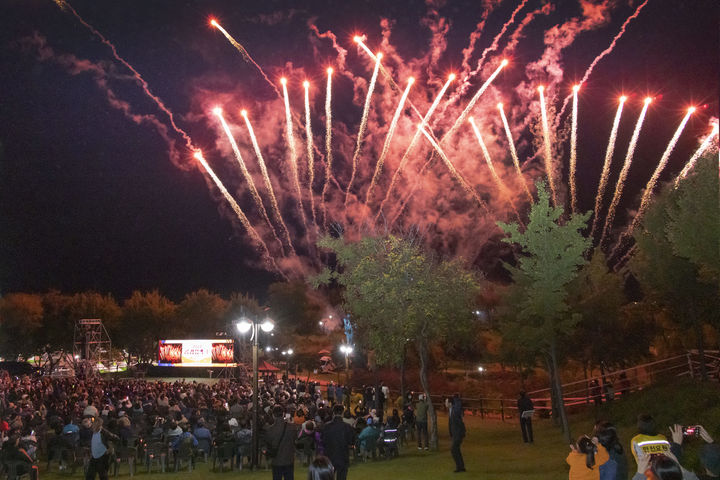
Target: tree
552,252
597,295
397,293
294,308
667,278
202,314
21,319
693,226
146,317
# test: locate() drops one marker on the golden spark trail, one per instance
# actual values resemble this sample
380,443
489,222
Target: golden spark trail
245,54
605,52
268,185
471,191
328,145
290,136
645,201
143,84
693,160
501,185
388,139
513,151
416,137
363,126
548,146
310,153
238,211
463,116
623,173
246,173
606,166
573,151
386,74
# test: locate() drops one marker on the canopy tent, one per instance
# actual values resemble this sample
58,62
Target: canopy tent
266,367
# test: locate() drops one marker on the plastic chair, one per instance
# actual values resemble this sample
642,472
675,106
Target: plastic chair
185,453
204,447
156,452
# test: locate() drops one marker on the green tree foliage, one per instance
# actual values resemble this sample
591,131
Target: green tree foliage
551,255
597,295
146,318
202,314
669,279
295,308
397,293
21,319
693,226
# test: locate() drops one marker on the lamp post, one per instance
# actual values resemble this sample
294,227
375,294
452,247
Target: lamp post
287,353
347,350
246,325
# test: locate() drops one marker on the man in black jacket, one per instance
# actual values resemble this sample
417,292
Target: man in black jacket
525,410
280,440
457,432
338,438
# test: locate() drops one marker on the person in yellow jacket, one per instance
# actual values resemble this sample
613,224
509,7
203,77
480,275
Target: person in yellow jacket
585,458
646,443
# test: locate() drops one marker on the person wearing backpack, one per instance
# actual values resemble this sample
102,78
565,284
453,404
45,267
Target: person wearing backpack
280,445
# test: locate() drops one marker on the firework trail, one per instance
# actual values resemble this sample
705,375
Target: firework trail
292,153
623,173
268,185
606,166
645,201
471,191
143,84
573,150
416,137
310,153
466,78
238,211
328,145
363,126
463,116
488,160
246,174
605,52
547,145
386,146
245,54
513,151
703,146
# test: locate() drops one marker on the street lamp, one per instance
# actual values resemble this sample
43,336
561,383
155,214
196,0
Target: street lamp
347,350
287,353
243,326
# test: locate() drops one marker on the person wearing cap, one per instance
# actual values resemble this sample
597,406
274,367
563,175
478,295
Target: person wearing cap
100,446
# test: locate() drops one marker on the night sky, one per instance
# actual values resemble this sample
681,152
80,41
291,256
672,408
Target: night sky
90,199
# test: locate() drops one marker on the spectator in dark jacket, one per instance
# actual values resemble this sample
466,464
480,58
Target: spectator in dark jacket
457,432
525,409
280,438
337,438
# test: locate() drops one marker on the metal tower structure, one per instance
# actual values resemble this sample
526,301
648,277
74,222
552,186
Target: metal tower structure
91,345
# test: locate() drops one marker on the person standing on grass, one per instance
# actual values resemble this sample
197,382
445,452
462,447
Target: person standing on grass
280,438
338,438
525,409
99,451
421,422
457,432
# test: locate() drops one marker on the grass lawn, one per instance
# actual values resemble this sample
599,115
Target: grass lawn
493,450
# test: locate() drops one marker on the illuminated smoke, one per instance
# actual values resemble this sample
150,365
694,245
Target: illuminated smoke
606,166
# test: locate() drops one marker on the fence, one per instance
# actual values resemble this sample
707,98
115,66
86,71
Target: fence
598,389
